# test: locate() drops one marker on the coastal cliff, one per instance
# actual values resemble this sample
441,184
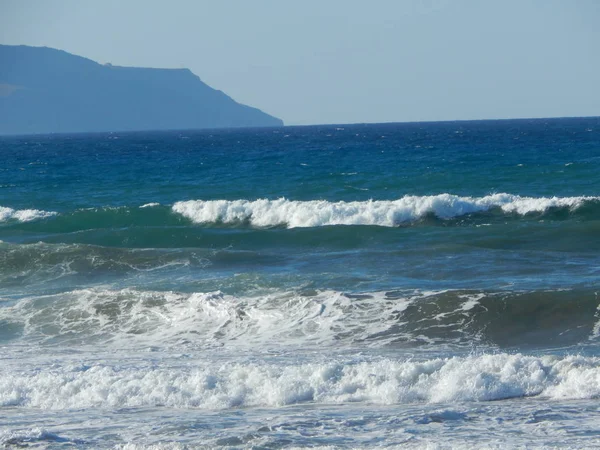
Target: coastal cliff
44,90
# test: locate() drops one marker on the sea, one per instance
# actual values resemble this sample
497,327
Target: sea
416,285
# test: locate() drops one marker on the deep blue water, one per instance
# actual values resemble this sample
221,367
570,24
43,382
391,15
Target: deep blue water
218,270
526,157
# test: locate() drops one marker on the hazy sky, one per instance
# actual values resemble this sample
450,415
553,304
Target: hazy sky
345,61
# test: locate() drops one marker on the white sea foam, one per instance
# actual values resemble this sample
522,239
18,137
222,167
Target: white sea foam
273,319
23,437
265,213
23,215
159,446
145,318
150,205
471,301
219,385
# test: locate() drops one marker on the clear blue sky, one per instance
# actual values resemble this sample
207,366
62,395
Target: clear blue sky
345,61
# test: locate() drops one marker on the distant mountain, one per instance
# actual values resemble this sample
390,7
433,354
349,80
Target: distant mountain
43,90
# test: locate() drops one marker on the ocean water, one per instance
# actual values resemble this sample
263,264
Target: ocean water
427,285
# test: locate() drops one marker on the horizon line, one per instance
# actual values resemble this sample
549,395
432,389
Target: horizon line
175,130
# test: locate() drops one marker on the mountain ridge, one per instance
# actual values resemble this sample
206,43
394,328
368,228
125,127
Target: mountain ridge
46,90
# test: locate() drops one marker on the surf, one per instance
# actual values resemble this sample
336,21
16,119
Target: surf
385,213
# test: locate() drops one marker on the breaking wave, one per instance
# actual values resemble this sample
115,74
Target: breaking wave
219,385
22,215
387,213
296,214
301,319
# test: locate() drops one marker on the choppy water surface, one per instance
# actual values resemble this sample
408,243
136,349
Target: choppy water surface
402,285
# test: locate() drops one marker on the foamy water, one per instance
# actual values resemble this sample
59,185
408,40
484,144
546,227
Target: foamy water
365,286
264,212
23,215
223,385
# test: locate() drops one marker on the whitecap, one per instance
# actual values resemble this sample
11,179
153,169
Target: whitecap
387,213
334,380
23,215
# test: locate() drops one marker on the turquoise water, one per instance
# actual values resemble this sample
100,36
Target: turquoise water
344,286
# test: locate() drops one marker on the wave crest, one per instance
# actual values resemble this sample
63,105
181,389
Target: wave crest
218,385
386,213
305,319
23,215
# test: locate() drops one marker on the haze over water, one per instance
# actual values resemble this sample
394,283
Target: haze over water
331,286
